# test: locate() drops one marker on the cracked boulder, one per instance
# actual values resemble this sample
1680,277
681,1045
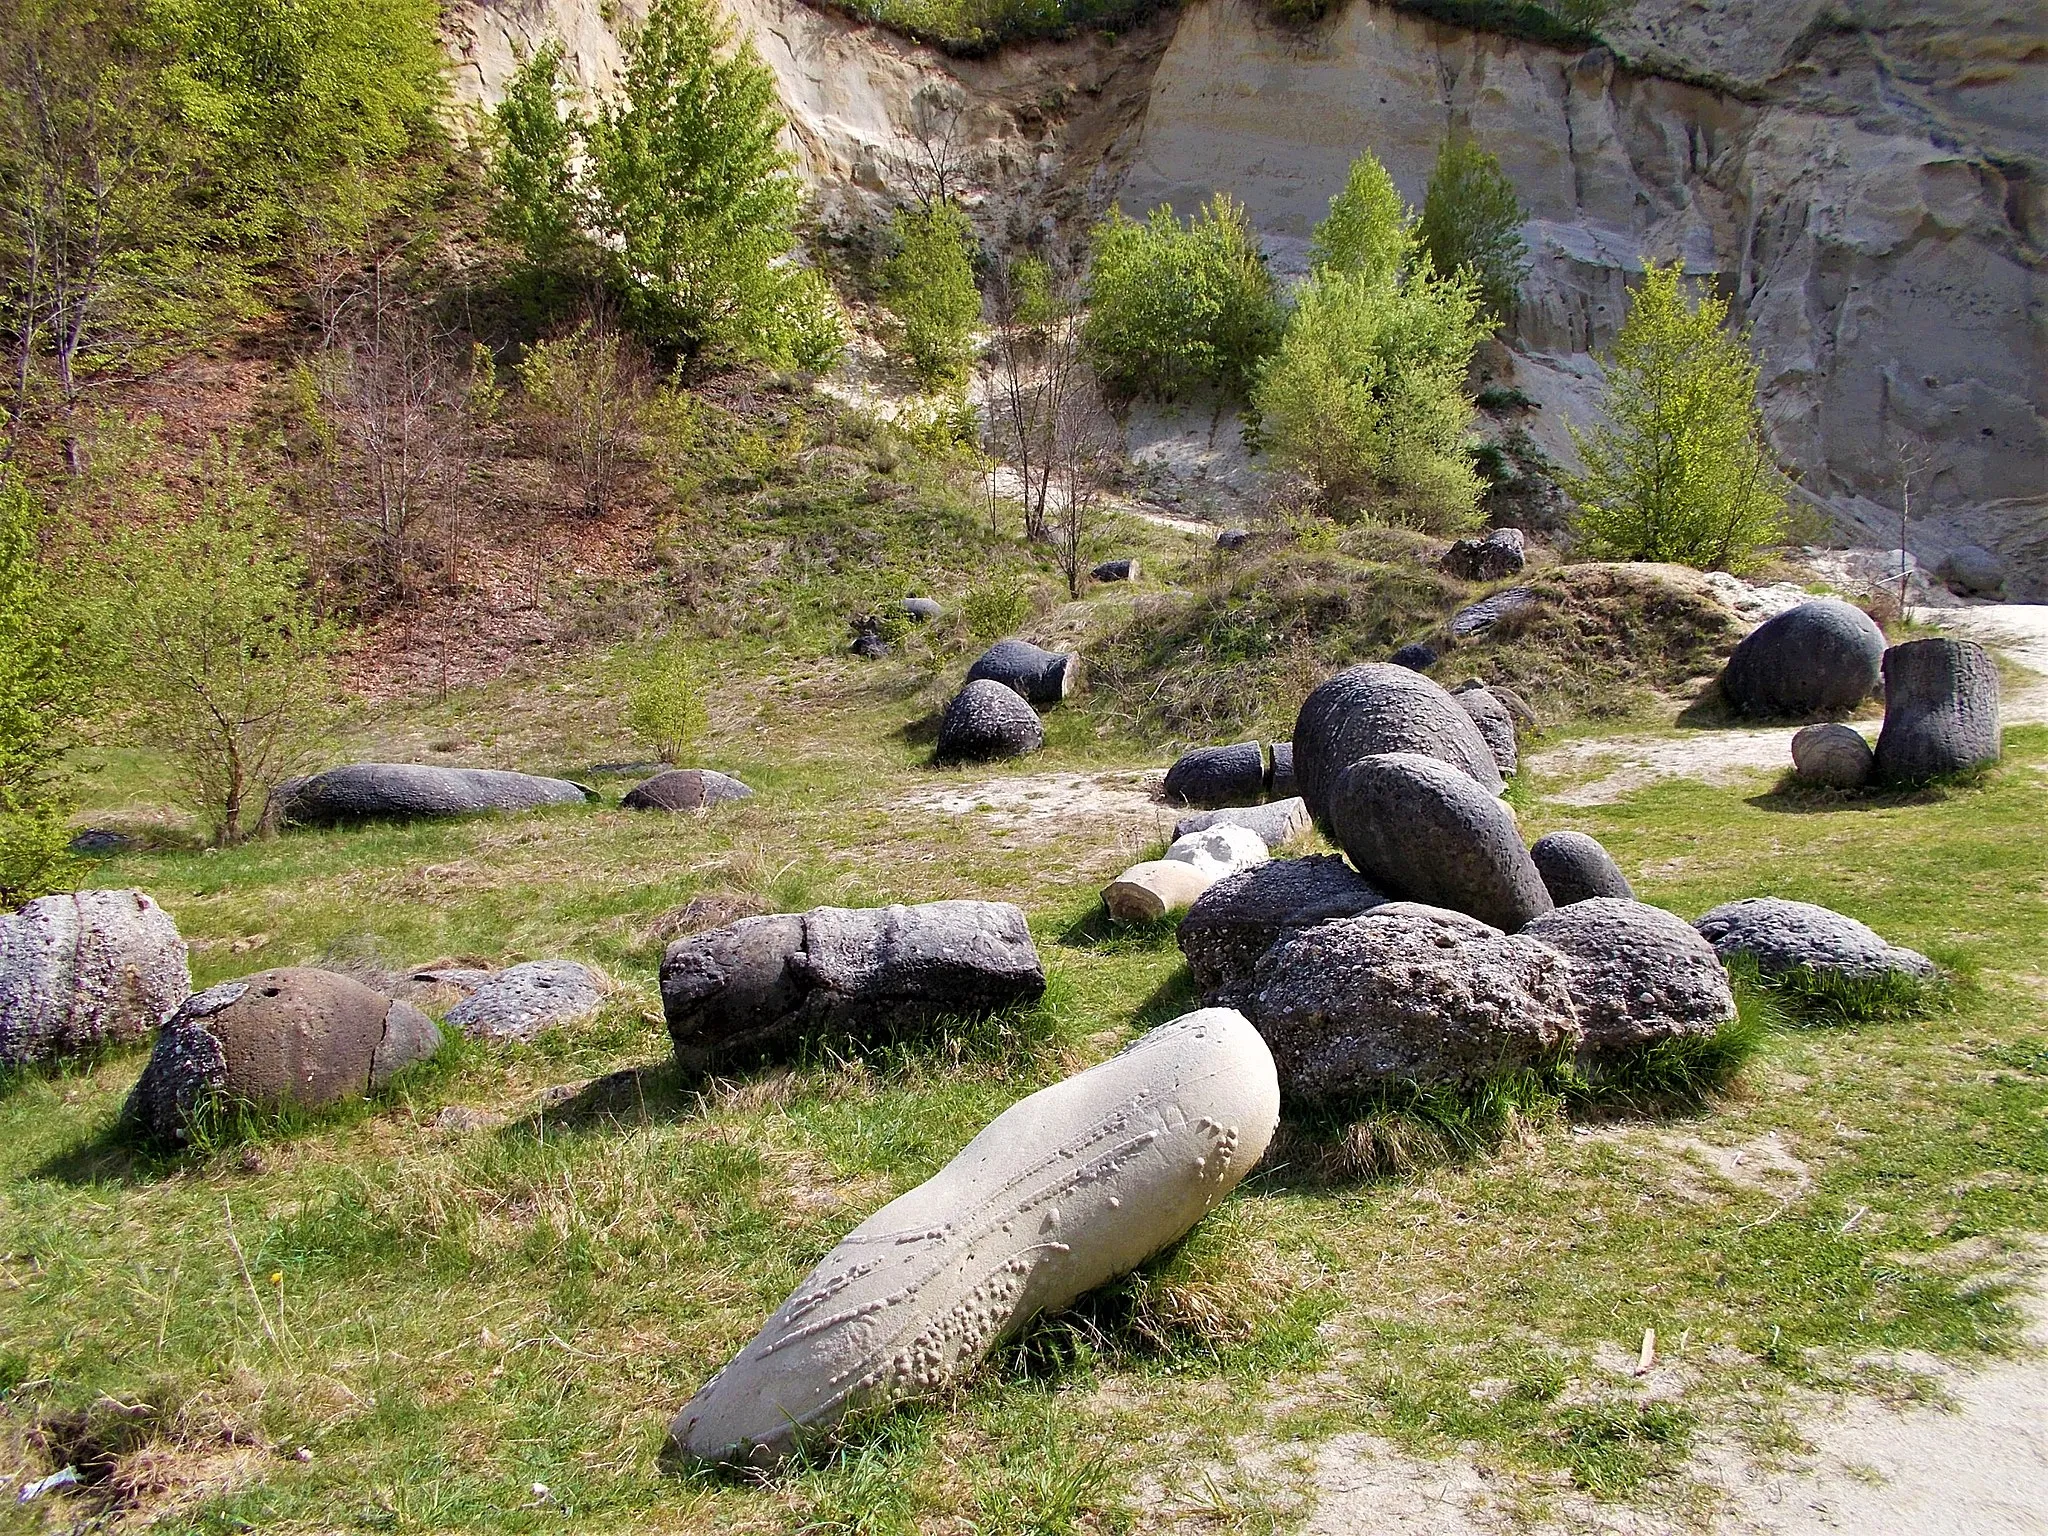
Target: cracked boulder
685,789
85,970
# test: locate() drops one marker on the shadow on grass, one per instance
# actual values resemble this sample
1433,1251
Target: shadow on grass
1096,930
1793,796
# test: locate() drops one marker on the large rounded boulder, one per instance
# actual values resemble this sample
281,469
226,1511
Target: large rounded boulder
1237,920
985,720
1820,658
1042,676
1419,829
1217,776
1376,708
1779,936
1403,995
685,789
86,970
291,1037
1574,867
410,791
1638,975
1940,710
1496,725
1832,756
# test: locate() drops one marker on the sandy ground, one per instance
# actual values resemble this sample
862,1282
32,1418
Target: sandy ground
1122,804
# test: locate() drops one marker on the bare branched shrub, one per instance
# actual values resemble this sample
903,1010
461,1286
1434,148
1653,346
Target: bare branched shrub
589,390
1038,371
935,164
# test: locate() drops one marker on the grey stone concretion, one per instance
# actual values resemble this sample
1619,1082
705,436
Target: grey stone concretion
520,1001
1379,707
1517,707
1974,570
763,986
1116,570
404,791
1820,658
988,719
295,1036
1237,920
1043,677
1502,552
1416,656
1280,770
685,789
99,842
1941,712
84,970
1276,824
1574,867
1471,622
1833,756
1403,996
1496,727
1213,777
1780,936
1419,829
1064,1191
869,645
1637,975
1232,538
922,610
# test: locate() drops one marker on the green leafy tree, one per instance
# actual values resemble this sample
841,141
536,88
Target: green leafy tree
592,389
1367,230
929,287
535,137
665,701
1175,306
1683,471
1472,221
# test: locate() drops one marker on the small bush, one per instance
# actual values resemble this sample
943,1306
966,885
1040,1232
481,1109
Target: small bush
929,287
665,703
1472,222
590,388
994,608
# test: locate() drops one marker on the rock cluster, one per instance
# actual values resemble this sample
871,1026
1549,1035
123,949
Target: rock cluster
1377,708
1238,919
1194,862
1819,658
405,791
86,970
1501,553
685,789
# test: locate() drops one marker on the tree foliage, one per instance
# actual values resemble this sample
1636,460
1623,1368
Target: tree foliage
1366,232
533,142
1472,221
929,287
1683,471
593,386
1176,306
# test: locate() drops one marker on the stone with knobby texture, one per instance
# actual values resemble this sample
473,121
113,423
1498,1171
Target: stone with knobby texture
685,789
406,791
1217,776
1379,707
1819,658
520,1001
1780,936
985,720
1638,974
1041,676
1941,711
1496,727
1238,919
84,970
1832,756
1574,867
1064,1191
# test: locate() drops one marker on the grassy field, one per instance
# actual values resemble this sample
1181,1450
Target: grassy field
473,1304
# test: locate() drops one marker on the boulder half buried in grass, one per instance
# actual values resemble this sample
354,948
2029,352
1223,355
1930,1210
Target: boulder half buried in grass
986,720
520,1001
409,791
1638,975
685,789
1064,1191
1042,676
1780,936
84,970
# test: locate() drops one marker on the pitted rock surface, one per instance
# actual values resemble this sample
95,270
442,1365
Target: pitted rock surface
85,970
1574,867
1637,974
1820,658
1419,829
1496,727
1517,707
292,1036
520,1001
1397,997
1149,890
985,720
685,789
1833,756
766,985
1064,1191
1041,676
1275,825
1379,707
1217,776
1501,553
403,791
1783,936
1237,920
1940,710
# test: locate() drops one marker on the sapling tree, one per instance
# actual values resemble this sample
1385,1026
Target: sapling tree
928,285
664,700
591,388
1472,222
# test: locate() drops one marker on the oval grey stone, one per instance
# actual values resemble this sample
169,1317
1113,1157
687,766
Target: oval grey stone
1575,867
1833,756
1218,776
1820,658
85,970
1379,707
404,791
1780,936
1637,974
988,719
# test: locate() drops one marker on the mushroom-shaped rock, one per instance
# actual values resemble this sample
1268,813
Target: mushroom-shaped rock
1219,851
1064,1191
1043,677
286,1037
1379,707
1238,919
920,610
1280,778
1217,776
404,791
1419,829
1820,658
765,985
1116,570
1276,824
85,970
685,789
1502,552
1469,623
1638,975
988,719
1496,726
1407,996
1574,867
1940,710
1780,936
1832,756
1416,656
1146,892
520,1001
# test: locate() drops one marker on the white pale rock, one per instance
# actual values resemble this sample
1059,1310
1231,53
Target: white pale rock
1062,1192
1154,888
86,969
1219,850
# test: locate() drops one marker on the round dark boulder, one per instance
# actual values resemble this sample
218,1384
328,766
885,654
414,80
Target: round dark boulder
1232,538
922,610
84,970
1973,569
1237,919
404,791
1043,677
1820,658
1501,553
685,789
1637,974
1496,726
1780,936
1416,656
285,1037
1575,868
1832,756
1393,997
1379,707
1218,776
1940,710
869,645
986,720
1116,570
1420,830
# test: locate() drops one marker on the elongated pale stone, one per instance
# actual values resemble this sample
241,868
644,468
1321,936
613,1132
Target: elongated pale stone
1062,1192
